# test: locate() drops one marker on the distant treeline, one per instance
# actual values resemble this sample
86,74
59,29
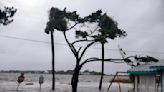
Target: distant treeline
86,72
22,71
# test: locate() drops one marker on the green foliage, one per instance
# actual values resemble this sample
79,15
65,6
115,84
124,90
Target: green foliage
49,27
106,22
100,38
73,16
94,17
6,15
82,34
109,28
58,20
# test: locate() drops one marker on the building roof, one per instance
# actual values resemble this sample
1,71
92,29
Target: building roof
158,65
142,69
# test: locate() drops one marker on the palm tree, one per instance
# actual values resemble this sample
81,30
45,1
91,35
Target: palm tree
56,21
49,29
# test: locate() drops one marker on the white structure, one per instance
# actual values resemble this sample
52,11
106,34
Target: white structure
144,78
160,67
148,77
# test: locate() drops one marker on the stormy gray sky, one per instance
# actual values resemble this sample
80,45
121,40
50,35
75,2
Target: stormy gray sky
25,46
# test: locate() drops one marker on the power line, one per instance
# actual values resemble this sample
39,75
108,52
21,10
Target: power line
11,37
32,40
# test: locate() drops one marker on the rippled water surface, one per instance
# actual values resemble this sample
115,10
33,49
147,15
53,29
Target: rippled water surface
87,83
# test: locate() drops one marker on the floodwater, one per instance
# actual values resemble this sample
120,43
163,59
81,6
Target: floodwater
87,83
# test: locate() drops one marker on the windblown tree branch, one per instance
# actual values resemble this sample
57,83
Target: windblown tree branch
140,59
95,59
84,40
85,49
72,26
70,45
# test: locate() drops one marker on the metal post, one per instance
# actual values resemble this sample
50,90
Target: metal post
135,83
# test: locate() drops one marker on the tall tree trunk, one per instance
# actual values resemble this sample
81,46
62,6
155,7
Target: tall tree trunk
53,61
102,67
75,79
